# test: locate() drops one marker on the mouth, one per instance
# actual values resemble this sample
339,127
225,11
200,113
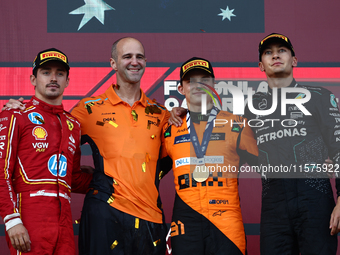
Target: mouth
200,92
134,69
53,86
277,64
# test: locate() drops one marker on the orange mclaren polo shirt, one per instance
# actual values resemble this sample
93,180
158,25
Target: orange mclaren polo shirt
129,140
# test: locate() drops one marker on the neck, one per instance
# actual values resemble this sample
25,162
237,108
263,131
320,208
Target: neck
274,82
129,93
56,101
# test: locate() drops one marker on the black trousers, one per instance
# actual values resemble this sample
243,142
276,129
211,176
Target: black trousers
105,230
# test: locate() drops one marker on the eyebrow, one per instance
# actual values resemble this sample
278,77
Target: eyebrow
129,54
49,68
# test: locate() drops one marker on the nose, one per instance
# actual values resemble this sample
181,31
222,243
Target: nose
275,54
53,77
134,61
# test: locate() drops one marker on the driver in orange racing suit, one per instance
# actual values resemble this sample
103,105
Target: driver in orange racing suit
207,215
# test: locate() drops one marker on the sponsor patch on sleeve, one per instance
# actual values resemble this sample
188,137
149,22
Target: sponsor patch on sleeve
167,132
182,139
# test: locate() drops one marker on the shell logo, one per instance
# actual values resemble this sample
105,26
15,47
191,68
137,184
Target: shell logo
39,133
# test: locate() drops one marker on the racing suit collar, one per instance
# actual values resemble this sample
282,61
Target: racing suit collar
197,117
291,85
55,109
115,99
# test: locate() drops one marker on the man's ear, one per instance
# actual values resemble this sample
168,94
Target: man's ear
261,66
33,80
113,64
295,61
180,89
67,81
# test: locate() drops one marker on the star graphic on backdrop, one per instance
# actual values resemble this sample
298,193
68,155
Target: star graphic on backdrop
92,8
226,14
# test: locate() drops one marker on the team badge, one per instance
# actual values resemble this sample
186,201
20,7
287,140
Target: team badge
70,125
333,102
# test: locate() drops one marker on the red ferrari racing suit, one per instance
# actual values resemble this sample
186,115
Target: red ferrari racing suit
40,162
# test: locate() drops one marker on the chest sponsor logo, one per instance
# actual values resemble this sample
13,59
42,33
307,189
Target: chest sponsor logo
2,127
217,137
194,161
57,168
182,162
70,125
296,115
3,119
0,154
40,147
109,119
337,132
218,201
291,132
3,137
182,139
108,113
39,133
36,118
2,145
334,114
210,160
155,123
150,116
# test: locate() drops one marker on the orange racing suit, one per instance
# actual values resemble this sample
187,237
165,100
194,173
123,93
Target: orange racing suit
209,211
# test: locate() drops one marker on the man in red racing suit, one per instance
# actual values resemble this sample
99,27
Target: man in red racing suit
40,165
